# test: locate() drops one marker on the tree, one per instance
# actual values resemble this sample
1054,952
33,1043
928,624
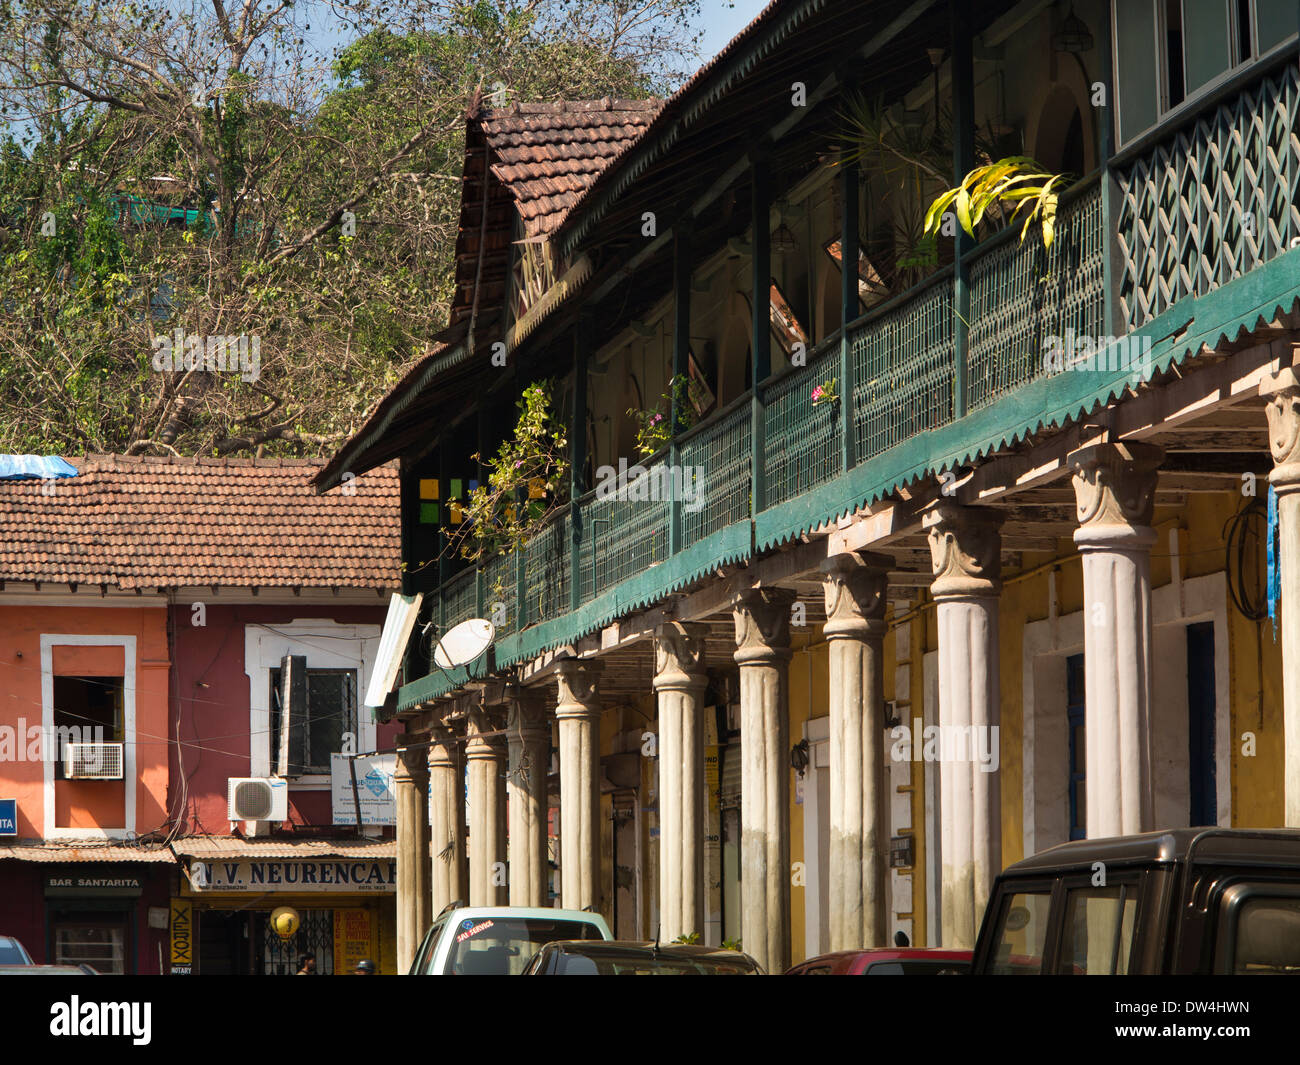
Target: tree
220,171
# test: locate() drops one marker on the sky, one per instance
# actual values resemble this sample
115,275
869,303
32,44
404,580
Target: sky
722,20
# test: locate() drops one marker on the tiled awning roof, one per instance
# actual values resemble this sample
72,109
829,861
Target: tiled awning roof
49,851
165,523
233,847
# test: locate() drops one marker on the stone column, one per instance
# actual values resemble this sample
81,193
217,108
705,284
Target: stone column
1282,390
447,830
578,713
1115,486
855,586
410,790
762,618
966,562
679,683
529,733
485,755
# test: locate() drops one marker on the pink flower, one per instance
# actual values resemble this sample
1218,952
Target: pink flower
656,419
518,463
817,393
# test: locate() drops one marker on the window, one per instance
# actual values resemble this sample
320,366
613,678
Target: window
1268,937
1021,934
1076,705
502,946
331,711
1195,42
101,946
86,710
1098,936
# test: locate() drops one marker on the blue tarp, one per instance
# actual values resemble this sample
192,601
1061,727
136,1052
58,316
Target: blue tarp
38,467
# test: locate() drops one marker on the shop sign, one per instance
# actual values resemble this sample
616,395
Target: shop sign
325,875
81,885
182,937
374,792
8,817
352,939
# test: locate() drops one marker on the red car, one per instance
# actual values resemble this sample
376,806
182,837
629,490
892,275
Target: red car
886,961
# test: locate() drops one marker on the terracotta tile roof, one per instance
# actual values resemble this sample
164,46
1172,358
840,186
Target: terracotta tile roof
35,850
164,522
547,154
255,849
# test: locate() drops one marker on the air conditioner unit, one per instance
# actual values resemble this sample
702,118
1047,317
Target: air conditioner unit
258,799
92,761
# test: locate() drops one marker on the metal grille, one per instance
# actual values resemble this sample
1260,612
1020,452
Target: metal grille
802,447
721,454
903,371
315,935
458,599
546,572
499,593
1022,294
1217,200
622,537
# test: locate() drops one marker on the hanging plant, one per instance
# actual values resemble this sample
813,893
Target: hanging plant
527,481
1017,180
653,428
826,392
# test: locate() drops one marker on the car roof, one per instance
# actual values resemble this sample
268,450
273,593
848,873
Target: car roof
647,946
538,912
1280,846
890,954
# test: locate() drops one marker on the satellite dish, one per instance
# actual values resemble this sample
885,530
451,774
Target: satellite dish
464,643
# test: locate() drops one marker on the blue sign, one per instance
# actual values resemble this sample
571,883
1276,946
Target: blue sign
8,817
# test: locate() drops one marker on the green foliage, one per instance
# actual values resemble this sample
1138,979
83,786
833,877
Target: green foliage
731,944
654,426
688,937
527,480
1017,180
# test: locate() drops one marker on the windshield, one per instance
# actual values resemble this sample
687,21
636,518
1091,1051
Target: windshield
501,946
643,963
12,954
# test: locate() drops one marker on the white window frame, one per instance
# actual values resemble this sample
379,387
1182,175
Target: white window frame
326,644
130,776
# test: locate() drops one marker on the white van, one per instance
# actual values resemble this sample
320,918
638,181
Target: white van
498,940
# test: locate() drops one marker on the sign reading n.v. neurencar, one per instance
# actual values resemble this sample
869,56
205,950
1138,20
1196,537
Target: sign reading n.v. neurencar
325,874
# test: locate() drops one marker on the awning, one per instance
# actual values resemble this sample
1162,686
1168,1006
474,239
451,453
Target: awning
81,851
208,848
402,612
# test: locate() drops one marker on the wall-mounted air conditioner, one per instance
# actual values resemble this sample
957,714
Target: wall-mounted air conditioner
258,799
92,761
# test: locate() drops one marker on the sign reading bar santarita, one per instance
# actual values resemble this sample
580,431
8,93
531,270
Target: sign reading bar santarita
323,874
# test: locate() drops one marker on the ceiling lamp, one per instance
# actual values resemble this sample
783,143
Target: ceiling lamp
1074,35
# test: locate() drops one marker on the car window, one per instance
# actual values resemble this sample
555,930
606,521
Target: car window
424,956
501,946
12,954
918,967
1021,933
814,970
1268,937
1098,934
644,963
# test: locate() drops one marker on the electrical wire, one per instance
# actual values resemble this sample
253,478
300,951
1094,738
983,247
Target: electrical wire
1241,539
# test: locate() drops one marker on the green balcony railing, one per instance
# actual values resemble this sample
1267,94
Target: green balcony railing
1178,201
1023,295
1217,199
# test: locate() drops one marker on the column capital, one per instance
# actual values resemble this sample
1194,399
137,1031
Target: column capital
679,656
855,585
412,761
576,680
1282,391
528,718
442,748
762,618
1115,493
965,550
480,739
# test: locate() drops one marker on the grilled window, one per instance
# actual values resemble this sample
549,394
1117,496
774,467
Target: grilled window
331,711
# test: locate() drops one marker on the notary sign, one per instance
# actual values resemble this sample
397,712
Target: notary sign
182,937
374,792
324,874
8,817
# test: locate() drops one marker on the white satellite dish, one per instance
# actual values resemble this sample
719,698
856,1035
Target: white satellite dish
464,643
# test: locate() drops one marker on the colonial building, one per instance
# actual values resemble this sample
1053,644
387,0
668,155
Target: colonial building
937,562
149,606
